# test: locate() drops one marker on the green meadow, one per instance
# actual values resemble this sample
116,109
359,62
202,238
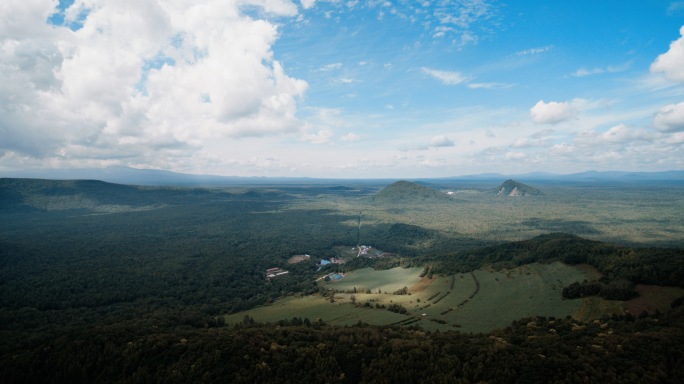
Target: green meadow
317,307
387,281
471,302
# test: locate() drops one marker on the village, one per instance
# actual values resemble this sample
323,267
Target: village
356,251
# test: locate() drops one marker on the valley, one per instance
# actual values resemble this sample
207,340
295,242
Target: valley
134,264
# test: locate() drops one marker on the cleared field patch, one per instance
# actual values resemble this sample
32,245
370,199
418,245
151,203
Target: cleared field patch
317,307
389,281
446,294
504,296
471,302
652,298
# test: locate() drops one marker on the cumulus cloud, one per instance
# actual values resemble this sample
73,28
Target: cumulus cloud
441,141
552,112
562,149
622,134
670,118
140,74
671,63
306,4
446,77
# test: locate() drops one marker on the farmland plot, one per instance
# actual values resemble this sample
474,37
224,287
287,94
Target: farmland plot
386,280
471,302
314,308
504,296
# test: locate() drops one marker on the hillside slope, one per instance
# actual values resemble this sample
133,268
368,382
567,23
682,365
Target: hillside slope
406,192
31,195
511,187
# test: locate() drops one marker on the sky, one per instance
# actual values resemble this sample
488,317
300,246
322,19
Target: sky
344,89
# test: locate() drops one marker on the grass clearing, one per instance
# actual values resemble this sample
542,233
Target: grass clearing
652,298
317,307
388,281
507,295
479,302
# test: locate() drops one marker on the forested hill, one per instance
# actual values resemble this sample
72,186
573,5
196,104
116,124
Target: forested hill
406,192
511,187
622,267
621,349
34,195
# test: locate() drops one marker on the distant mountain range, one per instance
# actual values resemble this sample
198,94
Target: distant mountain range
155,177
31,195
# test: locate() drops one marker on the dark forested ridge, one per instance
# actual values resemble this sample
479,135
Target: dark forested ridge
622,267
90,292
620,349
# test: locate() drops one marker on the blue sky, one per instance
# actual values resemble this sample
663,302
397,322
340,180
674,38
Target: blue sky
342,88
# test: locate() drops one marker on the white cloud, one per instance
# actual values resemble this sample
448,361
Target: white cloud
534,51
671,63
140,75
465,13
670,118
552,112
441,141
24,19
562,149
274,7
306,4
489,85
446,77
349,137
676,138
583,72
621,134
331,67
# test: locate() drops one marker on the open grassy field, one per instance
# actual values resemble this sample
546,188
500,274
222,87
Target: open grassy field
387,281
652,298
504,296
317,307
473,302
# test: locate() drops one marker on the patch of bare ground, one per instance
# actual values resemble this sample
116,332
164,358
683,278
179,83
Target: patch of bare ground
421,285
652,298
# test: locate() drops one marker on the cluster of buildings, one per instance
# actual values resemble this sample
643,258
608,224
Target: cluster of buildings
273,273
363,250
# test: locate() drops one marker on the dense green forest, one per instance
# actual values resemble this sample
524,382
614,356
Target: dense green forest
108,283
534,350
